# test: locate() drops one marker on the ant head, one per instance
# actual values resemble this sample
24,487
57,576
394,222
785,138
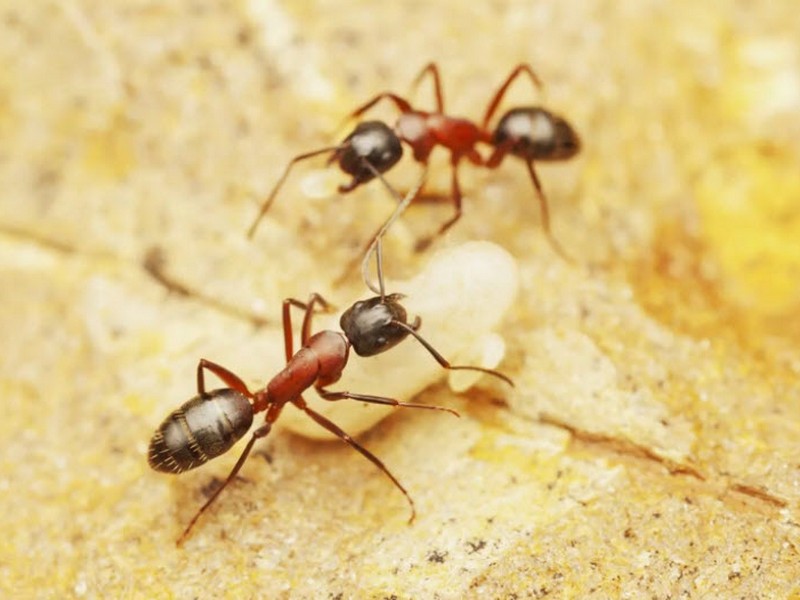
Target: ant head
371,144
533,133
371,325
201,429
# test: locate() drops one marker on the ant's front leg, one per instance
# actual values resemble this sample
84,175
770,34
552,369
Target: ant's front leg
308,307
258,433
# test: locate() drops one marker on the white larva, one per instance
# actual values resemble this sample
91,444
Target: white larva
461,296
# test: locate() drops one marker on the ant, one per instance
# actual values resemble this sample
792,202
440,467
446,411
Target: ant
209,424
531,133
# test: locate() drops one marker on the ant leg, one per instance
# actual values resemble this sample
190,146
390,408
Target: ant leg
228,378
338,432
433,70
545,213
271,198
333,396
258,433
498,97
412,329
456,201
456,198
288,337
498,154
402,105
313,299
494,161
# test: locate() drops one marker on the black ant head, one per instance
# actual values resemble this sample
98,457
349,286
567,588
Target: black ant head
533,133
372,143
371,325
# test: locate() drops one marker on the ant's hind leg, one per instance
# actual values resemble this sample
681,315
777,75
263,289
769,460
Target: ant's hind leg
338,432
258,433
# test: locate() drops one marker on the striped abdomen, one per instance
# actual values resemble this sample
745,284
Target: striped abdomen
203,428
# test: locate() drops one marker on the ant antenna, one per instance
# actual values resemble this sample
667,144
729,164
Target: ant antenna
376,247
412,329
271,198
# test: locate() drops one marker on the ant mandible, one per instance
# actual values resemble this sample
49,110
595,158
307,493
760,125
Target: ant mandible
209,424
531,133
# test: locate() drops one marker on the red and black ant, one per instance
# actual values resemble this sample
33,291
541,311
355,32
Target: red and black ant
531,133
209,424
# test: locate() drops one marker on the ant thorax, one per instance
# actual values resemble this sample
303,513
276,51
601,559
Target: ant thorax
413,127
331,349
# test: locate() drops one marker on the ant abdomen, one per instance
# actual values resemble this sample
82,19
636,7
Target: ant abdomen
371,148
533,133
203,428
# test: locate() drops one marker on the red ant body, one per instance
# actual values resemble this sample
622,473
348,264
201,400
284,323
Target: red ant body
530,133
209,424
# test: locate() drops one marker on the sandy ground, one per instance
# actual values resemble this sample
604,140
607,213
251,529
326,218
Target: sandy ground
649,448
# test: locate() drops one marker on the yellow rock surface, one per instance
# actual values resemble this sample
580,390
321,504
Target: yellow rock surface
650,448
